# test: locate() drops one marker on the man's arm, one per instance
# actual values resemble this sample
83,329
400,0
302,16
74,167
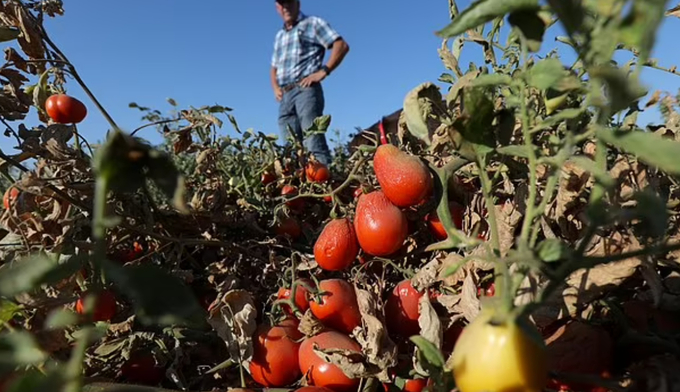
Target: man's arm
338,52
275,84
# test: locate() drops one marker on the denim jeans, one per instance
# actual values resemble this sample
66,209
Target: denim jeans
298,108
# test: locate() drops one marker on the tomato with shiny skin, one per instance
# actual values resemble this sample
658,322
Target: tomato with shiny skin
104,308
65,109
268,178
436,226
381,227
337,246
321,373
317,172
312,389
512,351
288,226
338,308
290,190
401,310
275,354
410,385
301,296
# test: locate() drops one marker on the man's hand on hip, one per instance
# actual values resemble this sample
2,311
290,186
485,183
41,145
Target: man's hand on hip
278,93
316,77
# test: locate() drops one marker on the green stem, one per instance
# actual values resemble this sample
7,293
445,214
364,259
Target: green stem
99,225
74,368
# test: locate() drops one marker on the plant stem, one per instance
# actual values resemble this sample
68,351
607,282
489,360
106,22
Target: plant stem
99,225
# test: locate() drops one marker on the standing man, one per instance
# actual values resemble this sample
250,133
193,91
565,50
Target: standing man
298,69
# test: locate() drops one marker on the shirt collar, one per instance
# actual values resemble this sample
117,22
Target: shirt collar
301,15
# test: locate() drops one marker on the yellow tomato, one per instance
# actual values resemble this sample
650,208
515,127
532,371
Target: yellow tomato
506,357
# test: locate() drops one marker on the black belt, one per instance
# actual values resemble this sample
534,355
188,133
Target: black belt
287,87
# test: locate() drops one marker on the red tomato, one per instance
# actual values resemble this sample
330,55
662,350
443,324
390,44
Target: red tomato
436,226
268,178
10,196
338,308
288,226
381,227
337,246
301,296
317,172
313,389
275,354
105,306
412,385
291,191
322,373
401,310
358,192
65,109
403,177
141,368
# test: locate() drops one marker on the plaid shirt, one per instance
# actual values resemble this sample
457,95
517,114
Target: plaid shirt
299,52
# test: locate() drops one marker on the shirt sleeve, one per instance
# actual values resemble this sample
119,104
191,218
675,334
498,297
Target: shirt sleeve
324,33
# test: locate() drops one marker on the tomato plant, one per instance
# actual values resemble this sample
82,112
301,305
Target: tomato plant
401,310
513,351
338,306
105,305
336,247
65,109
275,354
317,172
321,373
435,225
141,368
291,191
302,296
381,227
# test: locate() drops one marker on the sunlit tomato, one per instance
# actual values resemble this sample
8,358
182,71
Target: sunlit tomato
301,296
10,196
436,226
358,192
291,191
65,109
328,199
104,308
337,246
275,354
313,389
381,227
322,373
411,385
401,310
141,368
512,351
403,177
288,226
268,178
317,172
489,290
338,308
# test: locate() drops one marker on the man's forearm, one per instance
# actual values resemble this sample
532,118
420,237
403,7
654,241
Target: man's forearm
338,52
272,77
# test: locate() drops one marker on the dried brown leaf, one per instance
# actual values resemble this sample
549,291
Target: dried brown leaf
233,316
451,260
428,320
310,325
507,217
426,275
375,342
352,363
14,14
654,99
573,181
585,285
675,11
469,305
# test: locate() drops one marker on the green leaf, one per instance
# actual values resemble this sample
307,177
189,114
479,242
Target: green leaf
60,318
17,349
28,274
8,310
319,125
491,80
570,13
158,298
587,164
514,150
639,28
482,12
546,74
163,172
476,124
551,250
650,148
652,209
419,105
622,90
429,351
531,25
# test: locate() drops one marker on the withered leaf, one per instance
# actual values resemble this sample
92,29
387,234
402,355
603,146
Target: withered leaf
310,325
375,343
233,316
452,260
573,181
469,305
585,285
428,320
14,14
352,363
507,217
426,275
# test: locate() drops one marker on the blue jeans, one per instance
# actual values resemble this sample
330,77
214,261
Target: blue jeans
298,108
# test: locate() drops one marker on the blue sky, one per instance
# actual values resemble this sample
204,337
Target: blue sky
218,52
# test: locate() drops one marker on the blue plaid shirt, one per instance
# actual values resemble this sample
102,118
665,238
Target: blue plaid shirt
300,51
